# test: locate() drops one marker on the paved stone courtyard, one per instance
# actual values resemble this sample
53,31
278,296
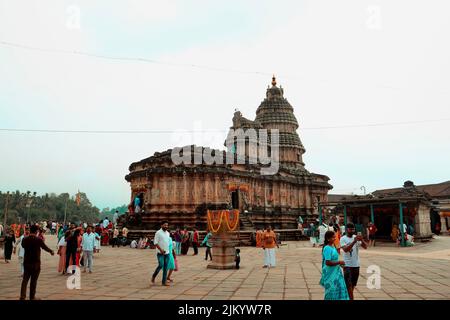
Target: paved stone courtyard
420,272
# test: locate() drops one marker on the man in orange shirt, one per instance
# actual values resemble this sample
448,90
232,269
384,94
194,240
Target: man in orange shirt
269,244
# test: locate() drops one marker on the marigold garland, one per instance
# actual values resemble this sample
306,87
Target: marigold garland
235,222
213,220
216,220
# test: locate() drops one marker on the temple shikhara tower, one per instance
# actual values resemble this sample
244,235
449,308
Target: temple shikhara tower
182,193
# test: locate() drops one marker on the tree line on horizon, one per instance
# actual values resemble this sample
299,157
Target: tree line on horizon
28,206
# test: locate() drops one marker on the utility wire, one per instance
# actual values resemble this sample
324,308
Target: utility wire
167,63
145,60
216,130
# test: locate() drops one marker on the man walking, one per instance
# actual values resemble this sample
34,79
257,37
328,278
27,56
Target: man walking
161,241
350,245
32,262
195,241
206,242
87,245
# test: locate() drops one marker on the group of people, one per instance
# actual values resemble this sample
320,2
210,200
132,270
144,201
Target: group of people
28,244
317,231
183,240
18,229
408,232
12,237
110,234
76,246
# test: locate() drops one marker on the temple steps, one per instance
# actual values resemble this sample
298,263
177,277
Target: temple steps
245,223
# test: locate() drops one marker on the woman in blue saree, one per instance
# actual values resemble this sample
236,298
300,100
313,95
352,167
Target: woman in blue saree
332,278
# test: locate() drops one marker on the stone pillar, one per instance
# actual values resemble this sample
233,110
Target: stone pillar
423,222
223,251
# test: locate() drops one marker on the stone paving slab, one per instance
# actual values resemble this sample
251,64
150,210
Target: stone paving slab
420,272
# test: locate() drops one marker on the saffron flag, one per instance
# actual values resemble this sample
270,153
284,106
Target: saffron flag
78,198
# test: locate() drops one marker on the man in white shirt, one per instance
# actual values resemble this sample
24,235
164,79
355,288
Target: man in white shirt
350,244
161,241
87,245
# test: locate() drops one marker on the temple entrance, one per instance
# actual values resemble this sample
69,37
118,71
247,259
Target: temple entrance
235,199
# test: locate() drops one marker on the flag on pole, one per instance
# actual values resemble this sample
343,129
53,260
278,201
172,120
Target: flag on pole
78,198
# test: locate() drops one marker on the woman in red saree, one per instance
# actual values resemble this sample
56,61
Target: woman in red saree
105,237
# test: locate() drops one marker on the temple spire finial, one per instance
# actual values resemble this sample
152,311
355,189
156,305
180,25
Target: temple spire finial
274,80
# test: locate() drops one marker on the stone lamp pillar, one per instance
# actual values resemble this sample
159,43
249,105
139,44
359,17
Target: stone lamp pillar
223,224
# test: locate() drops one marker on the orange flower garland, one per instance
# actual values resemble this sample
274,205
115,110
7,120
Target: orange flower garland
234,221
216,219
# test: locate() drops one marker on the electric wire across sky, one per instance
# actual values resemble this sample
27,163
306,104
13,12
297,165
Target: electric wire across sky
146,60
210,130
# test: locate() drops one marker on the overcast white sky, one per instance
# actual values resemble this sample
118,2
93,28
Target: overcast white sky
346,62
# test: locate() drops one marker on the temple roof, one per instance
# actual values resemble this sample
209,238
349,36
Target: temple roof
275,111
434,190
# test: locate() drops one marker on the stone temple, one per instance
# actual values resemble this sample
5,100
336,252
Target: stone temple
182,193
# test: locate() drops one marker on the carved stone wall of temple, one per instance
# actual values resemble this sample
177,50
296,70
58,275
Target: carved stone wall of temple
182,193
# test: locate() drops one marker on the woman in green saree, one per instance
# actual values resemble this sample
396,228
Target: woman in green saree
332,278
